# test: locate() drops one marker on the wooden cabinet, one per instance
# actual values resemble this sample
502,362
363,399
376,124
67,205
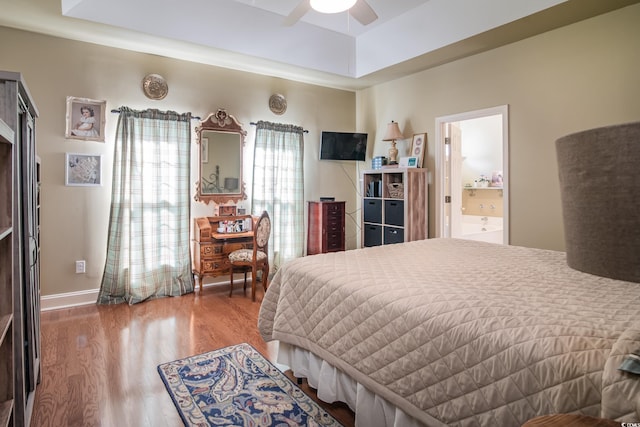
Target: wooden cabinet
395,206
211,249
326,227
19,253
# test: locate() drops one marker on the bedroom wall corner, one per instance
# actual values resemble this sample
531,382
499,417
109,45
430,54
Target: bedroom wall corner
566,80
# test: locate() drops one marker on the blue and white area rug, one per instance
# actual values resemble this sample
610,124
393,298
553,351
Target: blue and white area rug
237,386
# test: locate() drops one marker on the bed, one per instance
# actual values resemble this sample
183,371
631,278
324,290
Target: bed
454,332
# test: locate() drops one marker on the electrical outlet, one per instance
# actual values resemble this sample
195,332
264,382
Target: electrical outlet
80,266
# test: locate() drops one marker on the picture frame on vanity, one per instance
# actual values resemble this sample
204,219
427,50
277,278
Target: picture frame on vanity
83,170
419,147
227,210
85,119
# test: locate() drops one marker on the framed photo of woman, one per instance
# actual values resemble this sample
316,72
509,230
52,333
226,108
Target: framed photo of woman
85,119
419,147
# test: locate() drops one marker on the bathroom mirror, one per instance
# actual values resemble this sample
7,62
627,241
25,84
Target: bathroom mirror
221,139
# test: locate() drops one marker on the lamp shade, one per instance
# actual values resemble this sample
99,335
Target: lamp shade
332,6
598,171
393,132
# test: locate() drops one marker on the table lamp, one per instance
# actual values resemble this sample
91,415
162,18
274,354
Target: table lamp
393,133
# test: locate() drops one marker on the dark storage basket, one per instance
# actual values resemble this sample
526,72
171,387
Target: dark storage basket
373,210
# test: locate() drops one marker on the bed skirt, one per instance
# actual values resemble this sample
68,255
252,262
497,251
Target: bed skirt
334,386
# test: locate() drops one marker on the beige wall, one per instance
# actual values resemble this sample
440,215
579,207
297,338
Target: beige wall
581,76
577,77
75,219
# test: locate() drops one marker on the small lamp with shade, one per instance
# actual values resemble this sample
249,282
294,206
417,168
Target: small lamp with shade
393,133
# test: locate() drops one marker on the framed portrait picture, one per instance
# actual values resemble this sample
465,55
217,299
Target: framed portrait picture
85,119
83,169
205,150
419,147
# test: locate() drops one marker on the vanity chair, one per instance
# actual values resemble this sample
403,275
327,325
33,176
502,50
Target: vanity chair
257,258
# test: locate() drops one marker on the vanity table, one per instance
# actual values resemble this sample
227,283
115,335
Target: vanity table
211,248
221,139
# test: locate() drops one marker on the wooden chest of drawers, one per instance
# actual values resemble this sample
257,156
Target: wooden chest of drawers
211,249
326,227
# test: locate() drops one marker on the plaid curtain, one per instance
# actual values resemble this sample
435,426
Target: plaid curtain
278,187
148,244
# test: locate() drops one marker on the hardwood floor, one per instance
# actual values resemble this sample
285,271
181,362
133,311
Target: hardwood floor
99,362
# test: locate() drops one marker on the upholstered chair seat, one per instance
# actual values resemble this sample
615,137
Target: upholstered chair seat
246,255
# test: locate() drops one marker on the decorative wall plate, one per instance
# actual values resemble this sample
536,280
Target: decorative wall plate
277,104
155,86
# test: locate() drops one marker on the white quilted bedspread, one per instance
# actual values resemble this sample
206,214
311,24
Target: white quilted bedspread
464,333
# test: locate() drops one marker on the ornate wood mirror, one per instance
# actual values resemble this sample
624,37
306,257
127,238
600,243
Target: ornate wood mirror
221,140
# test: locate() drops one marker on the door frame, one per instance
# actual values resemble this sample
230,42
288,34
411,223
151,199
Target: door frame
441,158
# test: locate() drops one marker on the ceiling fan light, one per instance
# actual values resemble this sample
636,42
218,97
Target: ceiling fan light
332,6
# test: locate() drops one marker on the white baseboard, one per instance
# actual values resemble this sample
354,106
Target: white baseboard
69,299
74,299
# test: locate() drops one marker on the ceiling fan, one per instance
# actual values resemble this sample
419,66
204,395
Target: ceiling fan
359,9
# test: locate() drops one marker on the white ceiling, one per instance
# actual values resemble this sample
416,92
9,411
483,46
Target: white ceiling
332,50
329,43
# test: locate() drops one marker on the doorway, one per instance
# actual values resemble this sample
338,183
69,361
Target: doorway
472,197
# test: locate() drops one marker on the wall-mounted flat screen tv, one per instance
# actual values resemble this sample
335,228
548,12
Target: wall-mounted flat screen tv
343,146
